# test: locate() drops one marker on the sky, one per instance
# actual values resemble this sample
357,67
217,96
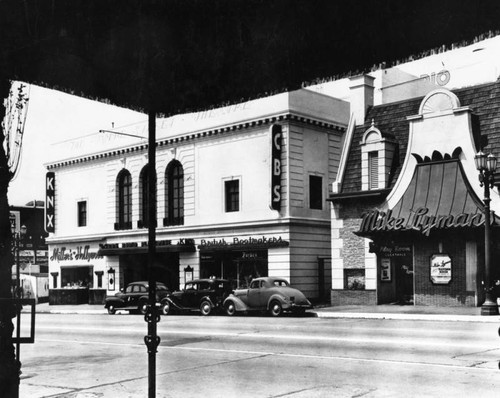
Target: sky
54,117
59,125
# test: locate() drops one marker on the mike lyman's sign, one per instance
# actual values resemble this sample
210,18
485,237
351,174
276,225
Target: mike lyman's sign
419,220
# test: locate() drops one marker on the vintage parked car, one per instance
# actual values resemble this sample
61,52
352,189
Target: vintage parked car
135,297
274,295
205,295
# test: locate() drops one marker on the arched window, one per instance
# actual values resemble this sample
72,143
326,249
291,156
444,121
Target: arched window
124,200
174,195
144,197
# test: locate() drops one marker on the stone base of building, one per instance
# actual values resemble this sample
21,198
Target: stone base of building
353,297
437,300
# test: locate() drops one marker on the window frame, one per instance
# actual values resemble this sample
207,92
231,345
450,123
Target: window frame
124,200
315,192
232,204
81,222
373,170
174,194
144,184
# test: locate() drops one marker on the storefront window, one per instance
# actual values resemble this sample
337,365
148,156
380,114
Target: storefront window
354,279
239,267
76,277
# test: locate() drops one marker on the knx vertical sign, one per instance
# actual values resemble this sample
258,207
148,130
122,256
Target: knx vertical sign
50,197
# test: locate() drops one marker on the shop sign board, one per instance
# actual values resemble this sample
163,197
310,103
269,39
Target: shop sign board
395,251
419,220
79,253
276,143
440,265
265,241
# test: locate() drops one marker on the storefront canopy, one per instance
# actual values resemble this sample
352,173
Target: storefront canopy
115,251
438,197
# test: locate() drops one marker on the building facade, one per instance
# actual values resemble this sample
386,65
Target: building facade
241,193
407,210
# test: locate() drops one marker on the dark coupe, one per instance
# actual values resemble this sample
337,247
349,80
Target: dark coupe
205,295
274,295
134,298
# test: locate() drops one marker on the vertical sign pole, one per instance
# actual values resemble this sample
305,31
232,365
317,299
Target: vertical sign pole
152,340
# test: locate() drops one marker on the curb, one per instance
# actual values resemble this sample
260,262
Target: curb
413,317
332,315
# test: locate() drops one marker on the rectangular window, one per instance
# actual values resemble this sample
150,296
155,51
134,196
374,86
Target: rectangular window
373,170
82,213
232,192
316,192
354,279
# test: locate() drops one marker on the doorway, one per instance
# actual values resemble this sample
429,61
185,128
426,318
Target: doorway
403,267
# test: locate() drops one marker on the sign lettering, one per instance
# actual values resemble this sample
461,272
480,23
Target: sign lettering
276,143
50,189
81,253
419,220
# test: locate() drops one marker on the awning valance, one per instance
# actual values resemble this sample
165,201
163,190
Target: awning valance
438,197
115,251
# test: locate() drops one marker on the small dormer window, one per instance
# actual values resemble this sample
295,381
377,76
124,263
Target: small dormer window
373,170
377,154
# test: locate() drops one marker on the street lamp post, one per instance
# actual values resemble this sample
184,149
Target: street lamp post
486,165
18,238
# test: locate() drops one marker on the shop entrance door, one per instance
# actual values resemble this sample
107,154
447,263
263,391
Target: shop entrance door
403,267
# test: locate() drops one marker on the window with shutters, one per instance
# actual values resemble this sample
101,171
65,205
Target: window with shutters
377,158
373,170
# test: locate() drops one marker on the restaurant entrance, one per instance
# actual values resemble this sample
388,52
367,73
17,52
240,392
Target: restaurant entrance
396,271
403,267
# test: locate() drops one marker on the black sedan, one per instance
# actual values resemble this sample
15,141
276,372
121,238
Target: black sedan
135,297
204,295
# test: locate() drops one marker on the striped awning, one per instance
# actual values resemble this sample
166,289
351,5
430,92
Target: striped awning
438,197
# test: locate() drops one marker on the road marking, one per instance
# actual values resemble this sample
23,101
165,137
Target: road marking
285,355
263,335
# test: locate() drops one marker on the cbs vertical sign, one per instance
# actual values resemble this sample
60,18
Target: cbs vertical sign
50,197
276,145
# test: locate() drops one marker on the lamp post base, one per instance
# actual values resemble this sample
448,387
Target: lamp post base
489,307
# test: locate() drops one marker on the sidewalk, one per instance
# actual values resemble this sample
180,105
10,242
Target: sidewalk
389,311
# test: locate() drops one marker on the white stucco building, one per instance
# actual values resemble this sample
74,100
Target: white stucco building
241,192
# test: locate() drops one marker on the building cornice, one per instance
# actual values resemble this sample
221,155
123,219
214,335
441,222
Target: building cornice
189,231
199,135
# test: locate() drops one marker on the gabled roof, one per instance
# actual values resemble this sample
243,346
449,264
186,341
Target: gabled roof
391,119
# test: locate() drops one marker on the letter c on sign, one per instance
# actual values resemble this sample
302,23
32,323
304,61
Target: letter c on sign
276,141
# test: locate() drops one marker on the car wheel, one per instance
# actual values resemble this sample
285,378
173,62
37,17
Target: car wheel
143,307
165,309
275,308
205,308
230,308
111,310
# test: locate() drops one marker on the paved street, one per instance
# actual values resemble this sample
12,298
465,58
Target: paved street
79,355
